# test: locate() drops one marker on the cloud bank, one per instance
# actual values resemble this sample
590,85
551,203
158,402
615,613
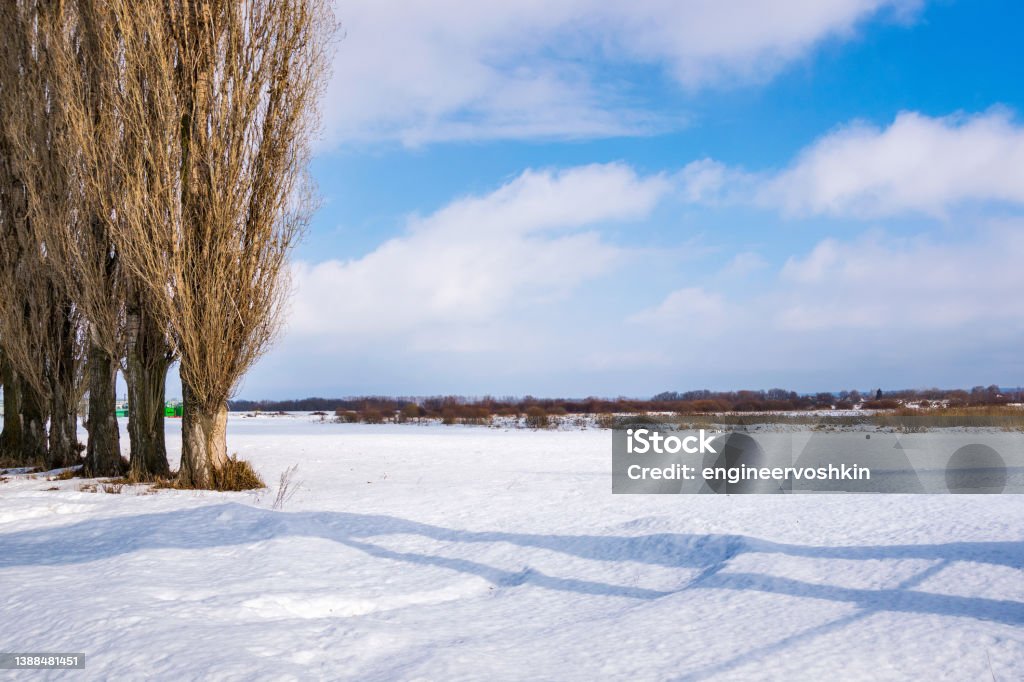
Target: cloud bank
532,239
916,164
420,71
525,283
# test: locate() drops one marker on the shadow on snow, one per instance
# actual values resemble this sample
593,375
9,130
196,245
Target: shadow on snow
235,524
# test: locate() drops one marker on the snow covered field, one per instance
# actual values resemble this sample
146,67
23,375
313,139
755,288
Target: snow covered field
432,552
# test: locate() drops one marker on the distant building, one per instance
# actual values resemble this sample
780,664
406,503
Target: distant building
172,408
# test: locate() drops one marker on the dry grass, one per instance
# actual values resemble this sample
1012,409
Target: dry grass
236,475
978,411
68,474
168,483
1004,416
285,488
905,419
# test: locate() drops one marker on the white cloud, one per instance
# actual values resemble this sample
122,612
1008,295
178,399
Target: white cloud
703,181
692,311
743,264
876,309
420,71
931,291
528,241
918,285
917,164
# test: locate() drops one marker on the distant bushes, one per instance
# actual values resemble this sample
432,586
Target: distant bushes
371,416
883,404
534,411
537,417
411,412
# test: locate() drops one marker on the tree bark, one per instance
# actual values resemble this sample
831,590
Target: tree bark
64,450
204,448
103,454
11,437
148,359
33,426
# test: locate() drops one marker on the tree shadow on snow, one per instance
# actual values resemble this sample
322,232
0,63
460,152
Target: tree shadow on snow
236,524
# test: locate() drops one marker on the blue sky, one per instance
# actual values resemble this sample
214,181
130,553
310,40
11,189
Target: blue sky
574,197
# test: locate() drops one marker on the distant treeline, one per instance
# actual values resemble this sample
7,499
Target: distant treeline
315,404
689,402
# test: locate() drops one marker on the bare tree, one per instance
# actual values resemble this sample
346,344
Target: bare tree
13,443
158,160
42,324
251,110
39,331
82,75
228,199
137,164
118,133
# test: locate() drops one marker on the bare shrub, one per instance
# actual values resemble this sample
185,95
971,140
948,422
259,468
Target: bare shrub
346,416
537,417
476,415
372,416
409,412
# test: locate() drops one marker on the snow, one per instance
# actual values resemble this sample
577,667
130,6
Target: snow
427,552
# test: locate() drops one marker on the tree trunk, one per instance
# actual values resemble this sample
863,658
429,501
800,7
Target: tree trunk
146,389
33,426
147,363
64,449
103,454
10,438
204,447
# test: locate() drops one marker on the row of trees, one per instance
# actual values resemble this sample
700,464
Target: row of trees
452,409
152,184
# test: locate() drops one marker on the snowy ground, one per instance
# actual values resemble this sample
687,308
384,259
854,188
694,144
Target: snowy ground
431,552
